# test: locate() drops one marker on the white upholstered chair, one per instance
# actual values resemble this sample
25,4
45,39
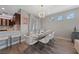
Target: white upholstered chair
47,38
31,39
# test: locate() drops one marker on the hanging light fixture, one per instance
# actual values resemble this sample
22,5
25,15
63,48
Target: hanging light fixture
42,13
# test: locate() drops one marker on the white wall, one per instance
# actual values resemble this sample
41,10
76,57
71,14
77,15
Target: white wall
29,23
34,25
62,28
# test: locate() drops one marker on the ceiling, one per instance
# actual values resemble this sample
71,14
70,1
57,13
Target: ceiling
37,9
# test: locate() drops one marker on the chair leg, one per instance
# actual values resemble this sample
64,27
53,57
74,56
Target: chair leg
10,42
20,40
7,42
39,45
51,42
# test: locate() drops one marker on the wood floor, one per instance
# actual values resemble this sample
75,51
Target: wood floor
60,46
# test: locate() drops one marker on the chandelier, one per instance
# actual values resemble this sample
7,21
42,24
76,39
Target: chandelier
42,12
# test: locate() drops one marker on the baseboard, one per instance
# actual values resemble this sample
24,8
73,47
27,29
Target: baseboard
64,38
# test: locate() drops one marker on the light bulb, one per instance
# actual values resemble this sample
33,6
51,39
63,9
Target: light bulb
2,8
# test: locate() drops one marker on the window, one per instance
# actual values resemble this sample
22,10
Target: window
60,18
71,16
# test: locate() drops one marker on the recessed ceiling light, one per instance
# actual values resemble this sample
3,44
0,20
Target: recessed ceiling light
2,8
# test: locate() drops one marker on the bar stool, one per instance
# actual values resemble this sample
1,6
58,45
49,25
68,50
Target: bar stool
14,35
10,41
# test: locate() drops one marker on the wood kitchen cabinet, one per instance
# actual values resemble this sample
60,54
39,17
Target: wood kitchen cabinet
15,22
0,21
17,18
6,22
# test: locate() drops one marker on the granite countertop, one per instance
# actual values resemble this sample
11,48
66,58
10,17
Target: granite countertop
8,33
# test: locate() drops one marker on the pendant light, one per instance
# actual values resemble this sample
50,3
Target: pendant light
42,12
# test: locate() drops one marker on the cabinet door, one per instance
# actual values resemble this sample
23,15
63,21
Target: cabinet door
4,22
8,22
0,21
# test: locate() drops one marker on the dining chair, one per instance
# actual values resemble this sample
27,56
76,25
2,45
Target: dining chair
48,39
31,39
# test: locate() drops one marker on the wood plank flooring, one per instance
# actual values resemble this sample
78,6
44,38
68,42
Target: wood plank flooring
60,46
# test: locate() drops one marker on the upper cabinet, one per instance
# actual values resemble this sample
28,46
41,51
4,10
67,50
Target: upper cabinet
17,18
4,22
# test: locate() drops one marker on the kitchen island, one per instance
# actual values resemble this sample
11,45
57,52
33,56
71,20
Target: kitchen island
8,38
